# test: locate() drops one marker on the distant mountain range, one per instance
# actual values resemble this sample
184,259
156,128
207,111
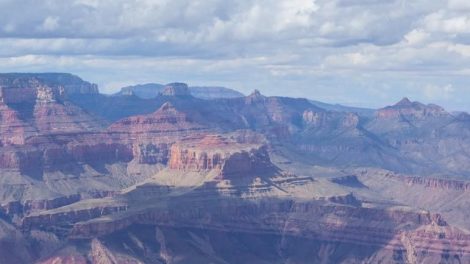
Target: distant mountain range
169,176
152,90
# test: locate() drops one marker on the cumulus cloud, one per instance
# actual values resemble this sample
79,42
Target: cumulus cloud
350,50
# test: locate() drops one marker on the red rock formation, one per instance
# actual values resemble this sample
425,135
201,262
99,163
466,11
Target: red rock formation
166,120
150,136
18,87
53,117
217,152
13,130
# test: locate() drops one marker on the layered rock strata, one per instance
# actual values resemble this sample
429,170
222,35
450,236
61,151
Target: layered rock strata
215,152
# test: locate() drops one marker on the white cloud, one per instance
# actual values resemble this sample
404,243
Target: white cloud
353,46
50,24
89,3
447,21
461,49
436,92
459,5
416,36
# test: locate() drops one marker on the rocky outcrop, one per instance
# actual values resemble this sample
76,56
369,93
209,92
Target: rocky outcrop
411,110
151,136
167,120
20,88
176,89
28,83
214,152
255,97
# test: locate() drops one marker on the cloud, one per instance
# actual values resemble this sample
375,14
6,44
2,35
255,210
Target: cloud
416,36
459,5
50,24
434,92
351,50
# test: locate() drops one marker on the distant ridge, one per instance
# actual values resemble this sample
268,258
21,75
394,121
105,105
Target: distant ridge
151,90
344,108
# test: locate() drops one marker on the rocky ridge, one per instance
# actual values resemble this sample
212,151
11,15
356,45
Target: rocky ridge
152,90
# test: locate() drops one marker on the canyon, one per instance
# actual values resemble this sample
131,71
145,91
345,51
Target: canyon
180,174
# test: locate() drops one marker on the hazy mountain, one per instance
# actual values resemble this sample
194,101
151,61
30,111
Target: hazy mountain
151,90
342,108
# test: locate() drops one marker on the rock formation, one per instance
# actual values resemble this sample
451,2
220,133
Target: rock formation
92,178
21,87
166,120
214,152
415,110
176,89
152,90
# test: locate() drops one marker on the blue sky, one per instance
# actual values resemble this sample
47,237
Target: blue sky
356,52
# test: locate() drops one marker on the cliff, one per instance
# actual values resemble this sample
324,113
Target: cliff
214,152
166,120
176,89
29,87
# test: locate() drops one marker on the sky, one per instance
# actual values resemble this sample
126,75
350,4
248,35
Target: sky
367,53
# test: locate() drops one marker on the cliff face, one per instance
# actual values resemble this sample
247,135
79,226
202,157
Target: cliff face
214,152
151,136
35,105
46,142
331,120
39,126
13,130
166,120
19,88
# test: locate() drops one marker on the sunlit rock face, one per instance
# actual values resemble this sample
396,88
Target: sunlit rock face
24,87
231,158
